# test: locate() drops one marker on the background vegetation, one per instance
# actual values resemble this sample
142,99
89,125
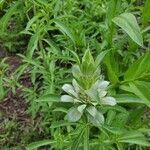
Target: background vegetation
40,43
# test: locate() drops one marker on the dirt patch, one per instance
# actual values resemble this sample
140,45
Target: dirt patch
14,106
14,119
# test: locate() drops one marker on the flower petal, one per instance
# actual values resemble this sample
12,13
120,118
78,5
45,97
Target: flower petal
81,108
77,101
76,85
73,114
92,92
101,93
92,110
103,84
66,98
97,119
108,101
68,88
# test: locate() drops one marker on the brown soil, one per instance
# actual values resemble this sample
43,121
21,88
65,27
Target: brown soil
13,106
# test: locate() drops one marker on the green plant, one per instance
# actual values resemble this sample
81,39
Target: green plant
57,67
3,70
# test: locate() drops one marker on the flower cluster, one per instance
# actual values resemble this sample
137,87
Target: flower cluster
85,101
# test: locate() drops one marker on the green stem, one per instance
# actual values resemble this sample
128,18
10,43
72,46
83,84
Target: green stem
86,137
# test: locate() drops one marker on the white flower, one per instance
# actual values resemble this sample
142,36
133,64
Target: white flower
97,94
103,84
73,91
87,100
81,108
66,98
95,117
76,85
101,93
68,88
108,101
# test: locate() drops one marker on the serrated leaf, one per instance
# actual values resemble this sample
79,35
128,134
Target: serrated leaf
128,23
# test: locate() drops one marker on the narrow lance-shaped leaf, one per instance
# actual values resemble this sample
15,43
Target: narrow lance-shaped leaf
65,29
100,57
5,19
35,145
33,43
142,90
139,68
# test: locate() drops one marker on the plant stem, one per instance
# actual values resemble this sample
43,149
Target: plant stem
86,137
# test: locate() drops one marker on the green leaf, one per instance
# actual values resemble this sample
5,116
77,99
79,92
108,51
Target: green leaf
43,2
86,138
128,23
100,57
73,114
76,57
35,145
142,90
131,135
87,66
137,141
77,140
76,71
5,19
146,13
65,29
61,124
114,130
2,91
112,68
32,45
128,98
60,109
30,22
110,117
48,98
88,58
53,45
139,69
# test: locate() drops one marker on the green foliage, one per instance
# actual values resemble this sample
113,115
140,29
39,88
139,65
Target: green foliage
128,23
67,49
146,13
3,70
